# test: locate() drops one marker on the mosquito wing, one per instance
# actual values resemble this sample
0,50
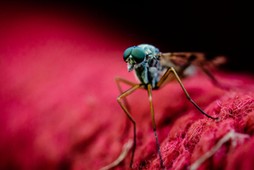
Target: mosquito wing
182,59
186,63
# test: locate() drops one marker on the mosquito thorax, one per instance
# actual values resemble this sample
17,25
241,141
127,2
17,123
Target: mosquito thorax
150,50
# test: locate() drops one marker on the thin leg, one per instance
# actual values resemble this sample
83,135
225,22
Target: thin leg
149,90
213,79
164,77
120,80
179,58
126,111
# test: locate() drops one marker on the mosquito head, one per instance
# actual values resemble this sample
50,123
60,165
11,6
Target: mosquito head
133,56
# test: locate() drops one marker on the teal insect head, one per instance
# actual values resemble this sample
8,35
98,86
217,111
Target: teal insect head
144,59
133,56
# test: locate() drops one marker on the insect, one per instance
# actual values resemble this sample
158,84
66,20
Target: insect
155,69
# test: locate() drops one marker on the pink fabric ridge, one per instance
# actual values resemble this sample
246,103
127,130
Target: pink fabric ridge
186,135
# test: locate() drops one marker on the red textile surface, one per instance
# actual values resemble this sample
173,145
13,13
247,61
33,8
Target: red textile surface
59,109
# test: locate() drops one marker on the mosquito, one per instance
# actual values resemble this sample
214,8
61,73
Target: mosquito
155,69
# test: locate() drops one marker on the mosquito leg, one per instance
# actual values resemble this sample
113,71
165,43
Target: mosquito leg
188,96
149,90
214,80
120,80
126,111
164,77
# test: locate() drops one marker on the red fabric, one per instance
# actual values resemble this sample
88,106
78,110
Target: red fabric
59,109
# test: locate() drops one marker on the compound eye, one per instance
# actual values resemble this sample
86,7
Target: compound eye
138,54
127,53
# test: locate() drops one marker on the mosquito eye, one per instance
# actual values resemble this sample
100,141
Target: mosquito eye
127,53
138,54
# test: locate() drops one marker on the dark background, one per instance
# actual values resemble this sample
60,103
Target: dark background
217,28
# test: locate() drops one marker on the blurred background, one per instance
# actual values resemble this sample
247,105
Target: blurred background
58,61
221,27
217,28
